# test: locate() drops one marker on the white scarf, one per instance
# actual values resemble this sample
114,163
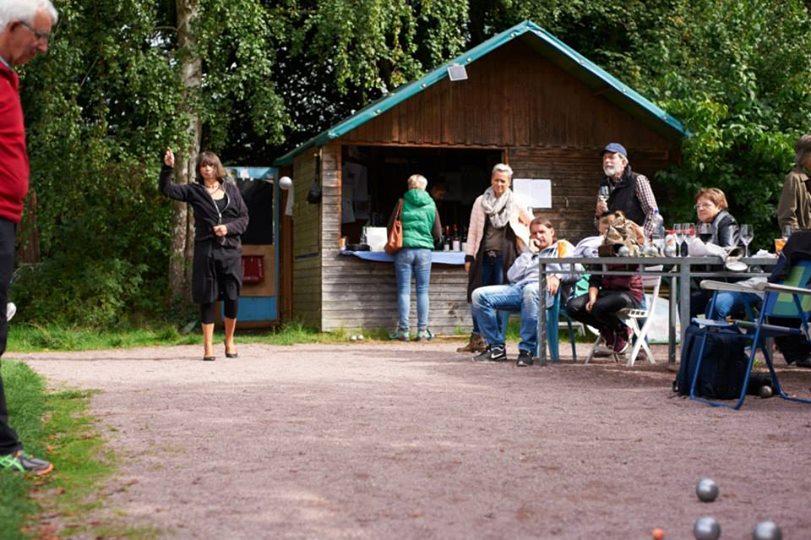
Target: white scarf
497,208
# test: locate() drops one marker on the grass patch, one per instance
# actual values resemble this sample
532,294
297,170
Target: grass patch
55,426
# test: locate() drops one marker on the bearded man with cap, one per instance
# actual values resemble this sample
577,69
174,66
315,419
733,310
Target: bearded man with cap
629,192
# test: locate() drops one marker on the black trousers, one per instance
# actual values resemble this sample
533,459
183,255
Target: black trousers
604,312
9,442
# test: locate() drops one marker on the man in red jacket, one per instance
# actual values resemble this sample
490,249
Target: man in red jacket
25,28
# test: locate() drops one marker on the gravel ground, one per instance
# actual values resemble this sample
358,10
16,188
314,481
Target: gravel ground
412,440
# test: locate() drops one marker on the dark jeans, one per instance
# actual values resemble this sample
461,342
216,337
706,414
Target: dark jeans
493,273
604,312
8,438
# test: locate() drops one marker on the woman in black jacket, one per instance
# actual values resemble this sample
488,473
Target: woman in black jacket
220,217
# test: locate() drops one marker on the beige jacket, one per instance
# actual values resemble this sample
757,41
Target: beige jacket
519,223
795,202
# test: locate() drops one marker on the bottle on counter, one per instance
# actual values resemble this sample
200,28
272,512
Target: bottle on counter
456,241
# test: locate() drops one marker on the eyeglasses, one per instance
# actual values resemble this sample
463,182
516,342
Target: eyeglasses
44,37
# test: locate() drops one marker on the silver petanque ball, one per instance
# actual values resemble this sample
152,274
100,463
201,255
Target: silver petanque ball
353,337
707,528
707,490
623,251
767,530
765,391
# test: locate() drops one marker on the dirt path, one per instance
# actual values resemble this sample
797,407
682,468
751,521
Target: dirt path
374,441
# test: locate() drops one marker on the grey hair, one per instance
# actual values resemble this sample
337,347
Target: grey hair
25,10
417,181
803,147
502,167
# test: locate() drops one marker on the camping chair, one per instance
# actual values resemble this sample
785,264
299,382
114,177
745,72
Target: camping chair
788,299
632,317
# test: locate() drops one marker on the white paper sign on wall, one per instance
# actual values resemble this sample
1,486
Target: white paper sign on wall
534,192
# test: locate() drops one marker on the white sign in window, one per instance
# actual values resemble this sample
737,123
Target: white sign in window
534,192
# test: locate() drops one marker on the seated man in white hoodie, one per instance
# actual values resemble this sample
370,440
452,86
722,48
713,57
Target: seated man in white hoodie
522,294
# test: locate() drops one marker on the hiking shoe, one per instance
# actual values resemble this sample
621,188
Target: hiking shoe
474,345
524,359
22,462
621,341
400,335
11,310
425,335
493,353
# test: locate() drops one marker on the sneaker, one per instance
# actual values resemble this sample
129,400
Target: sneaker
11,310
621,341
493,353
425,335
524,359
22,462
400,335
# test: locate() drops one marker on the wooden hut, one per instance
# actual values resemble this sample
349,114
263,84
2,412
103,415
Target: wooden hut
523,98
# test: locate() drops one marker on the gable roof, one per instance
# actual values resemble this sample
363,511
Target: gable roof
542,41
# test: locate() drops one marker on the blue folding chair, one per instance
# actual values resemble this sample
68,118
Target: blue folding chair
788,299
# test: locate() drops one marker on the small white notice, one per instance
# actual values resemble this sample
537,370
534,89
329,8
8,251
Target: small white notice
534,192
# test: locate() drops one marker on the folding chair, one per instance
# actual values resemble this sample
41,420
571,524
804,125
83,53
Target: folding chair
631,316
789,299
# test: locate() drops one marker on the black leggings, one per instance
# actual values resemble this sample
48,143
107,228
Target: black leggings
208,311
604,312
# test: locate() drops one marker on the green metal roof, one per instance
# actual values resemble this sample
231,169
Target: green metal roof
547,44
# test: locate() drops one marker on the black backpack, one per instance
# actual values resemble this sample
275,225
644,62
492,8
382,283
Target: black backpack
723,366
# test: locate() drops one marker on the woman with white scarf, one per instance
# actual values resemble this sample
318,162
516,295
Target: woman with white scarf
497,234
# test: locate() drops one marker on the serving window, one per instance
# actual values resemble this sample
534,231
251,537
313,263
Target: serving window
374,177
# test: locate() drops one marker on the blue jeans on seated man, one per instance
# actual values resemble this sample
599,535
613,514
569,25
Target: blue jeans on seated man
732,303
487,302
418,262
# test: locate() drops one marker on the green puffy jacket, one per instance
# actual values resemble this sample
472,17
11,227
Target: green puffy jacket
418,217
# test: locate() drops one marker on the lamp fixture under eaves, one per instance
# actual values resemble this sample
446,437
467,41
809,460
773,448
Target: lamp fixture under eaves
457,72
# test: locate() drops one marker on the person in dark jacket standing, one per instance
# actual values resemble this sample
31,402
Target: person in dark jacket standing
220,218
25,29
421,231
629,192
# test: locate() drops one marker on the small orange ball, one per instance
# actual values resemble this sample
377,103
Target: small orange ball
658,534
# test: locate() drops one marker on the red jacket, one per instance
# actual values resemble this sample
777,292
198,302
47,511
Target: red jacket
13,155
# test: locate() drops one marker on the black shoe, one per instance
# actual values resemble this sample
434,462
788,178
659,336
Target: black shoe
524,359
804,362
493,353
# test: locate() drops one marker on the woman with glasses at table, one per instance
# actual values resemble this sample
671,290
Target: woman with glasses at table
712,209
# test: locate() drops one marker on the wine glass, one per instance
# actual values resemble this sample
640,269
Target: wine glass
603,193
747,234
678,232
705,232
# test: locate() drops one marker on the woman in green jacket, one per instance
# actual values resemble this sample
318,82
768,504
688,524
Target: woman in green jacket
421,231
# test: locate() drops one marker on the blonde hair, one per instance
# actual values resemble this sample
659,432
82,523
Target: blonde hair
417,181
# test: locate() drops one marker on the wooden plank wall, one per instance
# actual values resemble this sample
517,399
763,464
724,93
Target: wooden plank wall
363,294
306,244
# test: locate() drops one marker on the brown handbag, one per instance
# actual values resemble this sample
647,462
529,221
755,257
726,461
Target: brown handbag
395,237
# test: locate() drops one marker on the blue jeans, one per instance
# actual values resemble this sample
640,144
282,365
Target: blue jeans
492,272
729,302
487,303
418,261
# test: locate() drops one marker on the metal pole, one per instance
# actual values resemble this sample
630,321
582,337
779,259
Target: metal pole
541,347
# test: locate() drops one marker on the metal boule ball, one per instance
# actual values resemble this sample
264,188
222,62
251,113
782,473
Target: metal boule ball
707,490
360,337
765,391
623,251
707,528
353,337
767,530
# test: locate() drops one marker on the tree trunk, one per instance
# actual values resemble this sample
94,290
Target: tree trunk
182,248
